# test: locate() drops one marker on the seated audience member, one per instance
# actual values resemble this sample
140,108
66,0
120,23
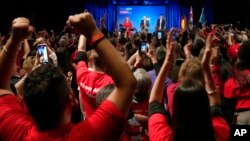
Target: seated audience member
49,98
236,89
194,103
89,80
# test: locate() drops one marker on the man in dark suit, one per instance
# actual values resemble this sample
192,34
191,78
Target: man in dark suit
160,26
144,24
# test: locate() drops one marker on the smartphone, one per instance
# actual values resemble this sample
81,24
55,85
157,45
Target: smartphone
143,47
159,35
42,51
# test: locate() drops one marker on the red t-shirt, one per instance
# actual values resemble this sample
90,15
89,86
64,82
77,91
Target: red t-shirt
232,51
159,129
170,95
105,124
232,89
140,107
90,82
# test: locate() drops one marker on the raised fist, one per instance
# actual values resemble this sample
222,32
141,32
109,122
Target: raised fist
83,23
21,28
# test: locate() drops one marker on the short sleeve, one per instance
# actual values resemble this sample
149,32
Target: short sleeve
81,68
230,88
107,123
14,121
221,128
159,129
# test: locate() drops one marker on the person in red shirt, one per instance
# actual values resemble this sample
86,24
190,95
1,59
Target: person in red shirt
50,100
237,90
193,101
91,80
233,49
128,26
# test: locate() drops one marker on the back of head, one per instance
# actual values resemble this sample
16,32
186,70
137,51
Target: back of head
160,55
146,63
191,69
114,41
238,38
143,36
28,63
63,59
46,94
199,43
177,50
143,83
243,56
191,112
96,60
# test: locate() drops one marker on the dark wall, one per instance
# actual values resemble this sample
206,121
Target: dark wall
236,12
42,13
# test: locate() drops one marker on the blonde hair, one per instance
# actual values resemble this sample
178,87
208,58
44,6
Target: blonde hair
29,63
191,69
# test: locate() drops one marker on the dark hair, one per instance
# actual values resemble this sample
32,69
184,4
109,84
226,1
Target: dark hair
191,112
243,55
114,41
143,36
63,59
46,94
238,38
160,55
103,93
199,43
243,64
146,63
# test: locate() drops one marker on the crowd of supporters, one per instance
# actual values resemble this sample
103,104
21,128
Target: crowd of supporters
186,85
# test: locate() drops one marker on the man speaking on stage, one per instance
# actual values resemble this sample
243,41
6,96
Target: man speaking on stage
160,25
144,24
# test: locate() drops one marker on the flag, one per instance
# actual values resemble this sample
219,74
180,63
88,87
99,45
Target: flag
202,18
191,15
183,23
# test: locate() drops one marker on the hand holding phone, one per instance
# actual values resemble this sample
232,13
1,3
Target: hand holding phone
143,48
42,51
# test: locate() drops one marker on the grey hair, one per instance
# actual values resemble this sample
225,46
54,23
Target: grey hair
143,81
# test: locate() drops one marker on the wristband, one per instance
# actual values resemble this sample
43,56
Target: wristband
96,39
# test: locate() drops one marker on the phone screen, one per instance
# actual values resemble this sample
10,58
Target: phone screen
42,51
143,47
159,35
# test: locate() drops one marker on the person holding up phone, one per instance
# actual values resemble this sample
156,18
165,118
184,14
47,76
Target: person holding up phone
49,98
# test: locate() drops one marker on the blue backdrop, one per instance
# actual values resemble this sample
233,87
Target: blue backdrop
136,13
174,11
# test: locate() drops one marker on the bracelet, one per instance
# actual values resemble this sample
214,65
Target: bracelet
211,92
98,41
94,40
5,50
